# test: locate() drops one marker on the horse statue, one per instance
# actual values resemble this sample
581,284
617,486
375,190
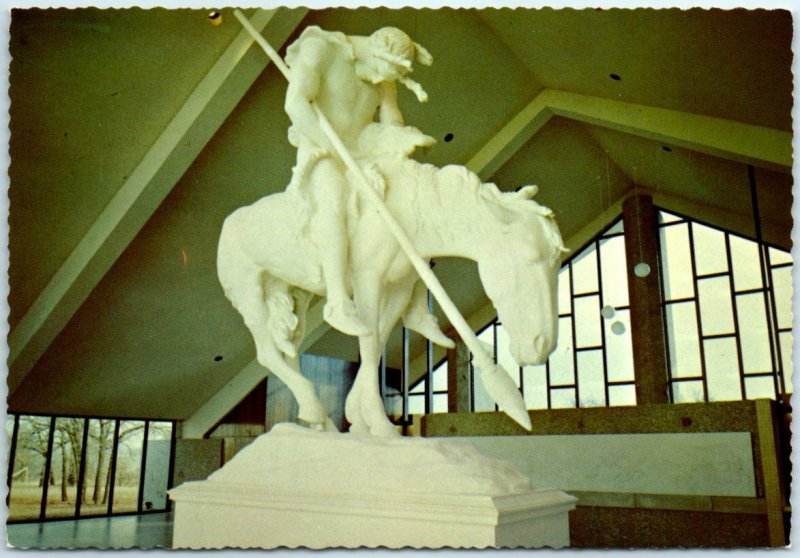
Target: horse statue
268,267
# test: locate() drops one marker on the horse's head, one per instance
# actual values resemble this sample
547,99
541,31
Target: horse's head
519,270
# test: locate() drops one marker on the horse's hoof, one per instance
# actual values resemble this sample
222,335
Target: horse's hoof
359,429
329,426
383,428
385,431
318,426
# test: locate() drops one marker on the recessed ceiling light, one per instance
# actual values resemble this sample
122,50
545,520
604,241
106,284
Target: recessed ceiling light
666,148
448,137
215,18
217,358
615,77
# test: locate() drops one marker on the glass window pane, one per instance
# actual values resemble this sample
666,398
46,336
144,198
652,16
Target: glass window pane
716,310
487,335
129,466
722,370
591,383
676,262
66,461
439,402
440,377
587,322
419,387
416,404
156,478
98,470
619,348
687,392
667,217
709,249
9,434
561,363
562,398
564,298
28,468
683,340
504,357
615,228
760,387
753,333
746,265
613,269
535,381
786,359
584,271
777,257
619,396
782,286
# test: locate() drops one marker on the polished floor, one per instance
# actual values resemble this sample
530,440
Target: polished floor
132,531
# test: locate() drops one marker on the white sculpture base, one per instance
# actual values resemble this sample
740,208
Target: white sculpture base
294,487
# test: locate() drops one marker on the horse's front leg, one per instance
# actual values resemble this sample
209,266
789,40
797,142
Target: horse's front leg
364,407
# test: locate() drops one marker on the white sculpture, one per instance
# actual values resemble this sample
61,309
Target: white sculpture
321,237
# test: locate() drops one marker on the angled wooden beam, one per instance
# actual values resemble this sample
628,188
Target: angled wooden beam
154,177
510,138
727,139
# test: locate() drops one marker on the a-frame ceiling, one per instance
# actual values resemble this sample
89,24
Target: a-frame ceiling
135,132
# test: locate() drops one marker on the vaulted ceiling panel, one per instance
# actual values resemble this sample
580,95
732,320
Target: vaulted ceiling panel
733,64
91,90
160,312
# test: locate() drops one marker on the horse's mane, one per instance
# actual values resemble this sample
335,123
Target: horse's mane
400,142
521,202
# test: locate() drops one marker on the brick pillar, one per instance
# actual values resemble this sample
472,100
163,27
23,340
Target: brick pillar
647,318
459,373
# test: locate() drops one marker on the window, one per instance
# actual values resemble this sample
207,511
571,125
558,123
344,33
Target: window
727,311
63,467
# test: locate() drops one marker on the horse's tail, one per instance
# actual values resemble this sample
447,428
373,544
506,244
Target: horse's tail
282,321
266,303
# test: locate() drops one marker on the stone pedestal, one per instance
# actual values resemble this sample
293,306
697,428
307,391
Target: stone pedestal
294,487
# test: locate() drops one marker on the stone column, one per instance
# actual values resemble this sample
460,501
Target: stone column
459,374
647,318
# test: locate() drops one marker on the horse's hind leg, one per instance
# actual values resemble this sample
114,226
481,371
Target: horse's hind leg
311,411
267,309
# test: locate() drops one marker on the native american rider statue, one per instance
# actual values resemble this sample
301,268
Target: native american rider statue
349,78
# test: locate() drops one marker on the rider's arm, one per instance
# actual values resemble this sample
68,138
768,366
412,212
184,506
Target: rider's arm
305,77
389,111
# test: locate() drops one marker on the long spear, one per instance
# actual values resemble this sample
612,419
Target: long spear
498,383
